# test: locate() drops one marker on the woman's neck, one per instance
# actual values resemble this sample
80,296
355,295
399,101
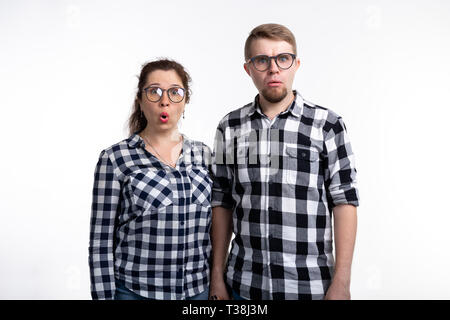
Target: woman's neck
161,137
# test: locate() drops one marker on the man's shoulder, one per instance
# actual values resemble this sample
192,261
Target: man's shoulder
236,117
324,118
319,113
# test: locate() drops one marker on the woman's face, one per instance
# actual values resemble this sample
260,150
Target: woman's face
163,114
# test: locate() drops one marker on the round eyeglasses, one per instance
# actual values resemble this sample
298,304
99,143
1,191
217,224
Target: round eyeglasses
262,62
175,94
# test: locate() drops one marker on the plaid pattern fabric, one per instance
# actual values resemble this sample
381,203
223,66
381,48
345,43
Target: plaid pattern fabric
150,223
281,178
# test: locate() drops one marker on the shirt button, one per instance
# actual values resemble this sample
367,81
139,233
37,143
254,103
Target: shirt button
182,223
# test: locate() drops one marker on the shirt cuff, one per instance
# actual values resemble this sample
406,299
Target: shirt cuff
347,194
221,199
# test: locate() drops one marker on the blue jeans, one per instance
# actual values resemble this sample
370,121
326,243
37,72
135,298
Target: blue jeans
123,293
236,296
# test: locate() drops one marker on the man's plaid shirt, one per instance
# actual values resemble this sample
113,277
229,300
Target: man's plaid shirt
281,179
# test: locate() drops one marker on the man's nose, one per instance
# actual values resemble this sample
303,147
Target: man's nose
273,67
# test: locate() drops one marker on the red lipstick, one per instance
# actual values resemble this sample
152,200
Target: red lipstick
164,117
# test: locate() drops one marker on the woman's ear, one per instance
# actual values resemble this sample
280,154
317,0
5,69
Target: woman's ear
190,95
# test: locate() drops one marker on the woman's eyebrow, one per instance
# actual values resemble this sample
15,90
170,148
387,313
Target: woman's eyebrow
158,84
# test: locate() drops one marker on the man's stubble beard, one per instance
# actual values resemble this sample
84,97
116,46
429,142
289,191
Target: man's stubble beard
273,96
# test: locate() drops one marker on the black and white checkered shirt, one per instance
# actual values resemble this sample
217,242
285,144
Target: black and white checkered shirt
281,178
150,222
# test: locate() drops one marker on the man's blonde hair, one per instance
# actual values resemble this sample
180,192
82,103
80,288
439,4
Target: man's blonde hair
271,31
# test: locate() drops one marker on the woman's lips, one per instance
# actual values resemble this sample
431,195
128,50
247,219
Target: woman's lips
164,117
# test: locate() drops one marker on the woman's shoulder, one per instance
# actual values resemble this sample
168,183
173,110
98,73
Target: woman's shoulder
122,148
200,151
197,144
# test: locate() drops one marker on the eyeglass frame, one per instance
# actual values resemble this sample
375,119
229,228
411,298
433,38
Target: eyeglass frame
168,96
275,58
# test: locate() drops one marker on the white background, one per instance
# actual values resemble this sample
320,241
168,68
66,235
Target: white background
68,76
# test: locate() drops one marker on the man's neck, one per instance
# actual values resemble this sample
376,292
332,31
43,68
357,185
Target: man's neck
271,110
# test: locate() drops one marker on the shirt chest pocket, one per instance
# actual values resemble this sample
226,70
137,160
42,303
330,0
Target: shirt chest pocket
150,189
201,185
302,166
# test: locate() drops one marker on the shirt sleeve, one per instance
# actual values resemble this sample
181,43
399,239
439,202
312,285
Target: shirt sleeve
340,171
105,203
222,173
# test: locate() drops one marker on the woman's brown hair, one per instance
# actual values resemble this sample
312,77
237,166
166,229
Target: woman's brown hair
137,121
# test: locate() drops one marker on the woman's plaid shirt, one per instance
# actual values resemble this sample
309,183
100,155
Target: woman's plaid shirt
150,223
281,178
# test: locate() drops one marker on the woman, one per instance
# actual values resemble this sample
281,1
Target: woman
151,210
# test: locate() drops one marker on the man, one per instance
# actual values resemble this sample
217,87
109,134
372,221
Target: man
282,167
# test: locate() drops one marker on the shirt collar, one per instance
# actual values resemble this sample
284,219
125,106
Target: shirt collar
295,108
135,141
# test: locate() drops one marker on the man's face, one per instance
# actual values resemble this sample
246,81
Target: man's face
273,84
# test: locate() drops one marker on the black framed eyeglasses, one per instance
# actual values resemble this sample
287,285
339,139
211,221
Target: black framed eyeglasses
262,62
175,94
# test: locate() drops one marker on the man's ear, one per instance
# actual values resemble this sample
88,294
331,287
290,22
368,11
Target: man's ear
246,68
298,64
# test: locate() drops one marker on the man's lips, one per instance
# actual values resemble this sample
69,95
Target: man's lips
164,117
274,83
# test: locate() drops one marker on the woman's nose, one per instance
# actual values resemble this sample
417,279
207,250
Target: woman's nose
164,102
